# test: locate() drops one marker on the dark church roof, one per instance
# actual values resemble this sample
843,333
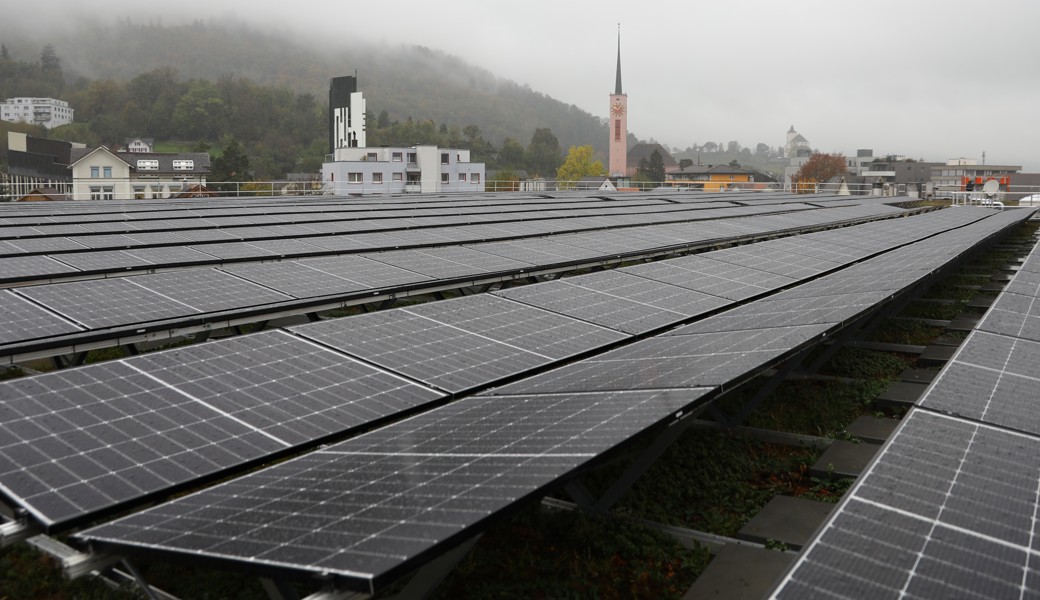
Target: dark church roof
641,151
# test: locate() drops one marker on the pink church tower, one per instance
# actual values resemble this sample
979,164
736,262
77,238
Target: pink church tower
618,123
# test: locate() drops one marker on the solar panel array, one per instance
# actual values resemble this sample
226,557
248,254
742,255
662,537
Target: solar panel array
369,509
109,309
949,507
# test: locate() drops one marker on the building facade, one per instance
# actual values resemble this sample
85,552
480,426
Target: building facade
956,173
47,112
390,170
100,174
37,163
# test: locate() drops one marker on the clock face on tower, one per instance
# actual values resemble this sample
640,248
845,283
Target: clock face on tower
617,109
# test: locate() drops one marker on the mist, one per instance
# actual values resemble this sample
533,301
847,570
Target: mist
925,80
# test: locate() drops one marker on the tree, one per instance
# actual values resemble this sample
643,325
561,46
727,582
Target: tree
762,149
543,153
511,156
4,53
685,162
579,163
651,170
232,164
818,169
710,147
733,147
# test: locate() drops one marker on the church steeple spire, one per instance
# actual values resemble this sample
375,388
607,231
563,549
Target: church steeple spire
617,84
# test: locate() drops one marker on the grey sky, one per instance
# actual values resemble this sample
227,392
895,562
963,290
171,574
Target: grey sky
932,80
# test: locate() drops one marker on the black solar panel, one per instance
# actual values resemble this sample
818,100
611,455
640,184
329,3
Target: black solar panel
100,303
208,290
734,282
653,293
947,511
20,319
15,267
532,329
439,355
366,509
296,279
79,441
595,307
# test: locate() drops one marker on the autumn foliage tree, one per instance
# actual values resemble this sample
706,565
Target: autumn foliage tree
819,168
579,163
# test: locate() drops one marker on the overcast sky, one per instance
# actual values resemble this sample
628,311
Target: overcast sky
933,80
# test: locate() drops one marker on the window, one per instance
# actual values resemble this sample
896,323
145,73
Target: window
398,176
397,157
444,158
95,172
355,177
147,165
617,130
106,193
377,178
372,156
183,165
411,157
444,178
138,192
462,177
95,192
107,171
474,178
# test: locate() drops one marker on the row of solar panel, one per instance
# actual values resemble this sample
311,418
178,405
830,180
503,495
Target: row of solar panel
47,312
52,452
370,508
60,259
949,507
23,214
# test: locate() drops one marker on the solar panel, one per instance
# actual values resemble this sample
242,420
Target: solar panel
370,274
946,511
668,363
208,290
20,319
653,293
84,440
993,379
734,282
367,510
102,260
100,303
439,355
293,278
40,245
1014,314
20,267
233,250
532,329
602,309
169,255
446,263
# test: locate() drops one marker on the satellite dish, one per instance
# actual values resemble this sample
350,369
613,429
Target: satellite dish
992,187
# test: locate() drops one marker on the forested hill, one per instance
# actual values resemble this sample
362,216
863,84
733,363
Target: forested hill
405,81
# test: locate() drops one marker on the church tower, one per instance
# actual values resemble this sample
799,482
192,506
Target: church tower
618,124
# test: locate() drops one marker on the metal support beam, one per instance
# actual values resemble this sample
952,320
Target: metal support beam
581,494
140,581
260,326
643,462
132,349
385,304
426,579
770,386
313,317
13,532
201,336
82,563
78,359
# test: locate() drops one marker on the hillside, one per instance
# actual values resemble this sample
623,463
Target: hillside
405,81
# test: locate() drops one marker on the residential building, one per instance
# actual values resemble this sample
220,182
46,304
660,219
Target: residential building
47,112
713,178
100,174
140,145
393,170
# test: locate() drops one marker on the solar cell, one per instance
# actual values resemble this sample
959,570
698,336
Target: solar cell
366,509
17,267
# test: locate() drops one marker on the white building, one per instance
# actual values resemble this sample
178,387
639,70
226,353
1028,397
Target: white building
100,174
386,170
40,111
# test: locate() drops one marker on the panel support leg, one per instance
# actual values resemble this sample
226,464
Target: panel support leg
139,580
426,579
770,387
278,589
